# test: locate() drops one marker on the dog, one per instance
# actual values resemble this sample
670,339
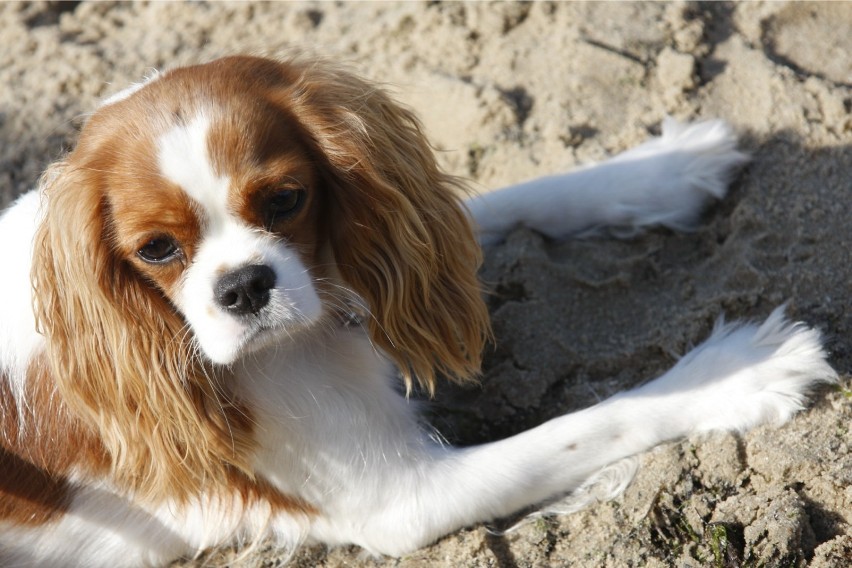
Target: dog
209,305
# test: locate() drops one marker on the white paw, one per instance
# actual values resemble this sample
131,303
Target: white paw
709,153
689,164
746,375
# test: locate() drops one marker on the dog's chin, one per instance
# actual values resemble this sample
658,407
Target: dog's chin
266,337
253,339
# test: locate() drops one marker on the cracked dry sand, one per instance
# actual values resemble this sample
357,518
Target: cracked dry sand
510,91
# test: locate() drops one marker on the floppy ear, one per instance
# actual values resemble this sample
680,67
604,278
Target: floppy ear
401,236
118,352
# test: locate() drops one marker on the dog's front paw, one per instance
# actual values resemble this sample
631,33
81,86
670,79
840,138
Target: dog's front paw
746,375
707,154
688,165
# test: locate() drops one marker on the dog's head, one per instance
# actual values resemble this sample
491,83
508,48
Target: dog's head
222,207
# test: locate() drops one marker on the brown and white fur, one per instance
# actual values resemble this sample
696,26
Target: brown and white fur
206,304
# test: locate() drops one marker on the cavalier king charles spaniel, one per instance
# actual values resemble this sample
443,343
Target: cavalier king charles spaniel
216,295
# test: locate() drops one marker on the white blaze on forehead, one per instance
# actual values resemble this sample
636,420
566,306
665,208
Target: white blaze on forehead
184,160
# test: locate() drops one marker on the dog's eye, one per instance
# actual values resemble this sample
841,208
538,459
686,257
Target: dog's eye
283,205
158,250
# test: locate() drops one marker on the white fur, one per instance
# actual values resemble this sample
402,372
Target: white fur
18,338
382,483
665,181
333,428
183,159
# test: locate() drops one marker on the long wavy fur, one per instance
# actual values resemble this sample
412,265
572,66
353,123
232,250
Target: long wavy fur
401,237
119,354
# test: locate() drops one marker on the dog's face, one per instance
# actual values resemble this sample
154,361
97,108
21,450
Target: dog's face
215,197
252,198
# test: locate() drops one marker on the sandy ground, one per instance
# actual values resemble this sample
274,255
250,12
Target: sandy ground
510,91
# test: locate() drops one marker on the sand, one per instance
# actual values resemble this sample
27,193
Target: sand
511,91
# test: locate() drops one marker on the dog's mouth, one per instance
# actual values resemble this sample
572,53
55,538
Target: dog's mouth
270,328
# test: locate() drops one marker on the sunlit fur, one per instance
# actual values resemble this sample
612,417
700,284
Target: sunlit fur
120,357
400,234
143,417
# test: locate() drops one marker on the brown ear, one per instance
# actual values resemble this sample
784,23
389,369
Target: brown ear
118,352
401,236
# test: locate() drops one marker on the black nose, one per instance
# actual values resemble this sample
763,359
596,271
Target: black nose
245,290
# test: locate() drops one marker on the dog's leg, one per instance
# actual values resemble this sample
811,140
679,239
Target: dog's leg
665,181
740,377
